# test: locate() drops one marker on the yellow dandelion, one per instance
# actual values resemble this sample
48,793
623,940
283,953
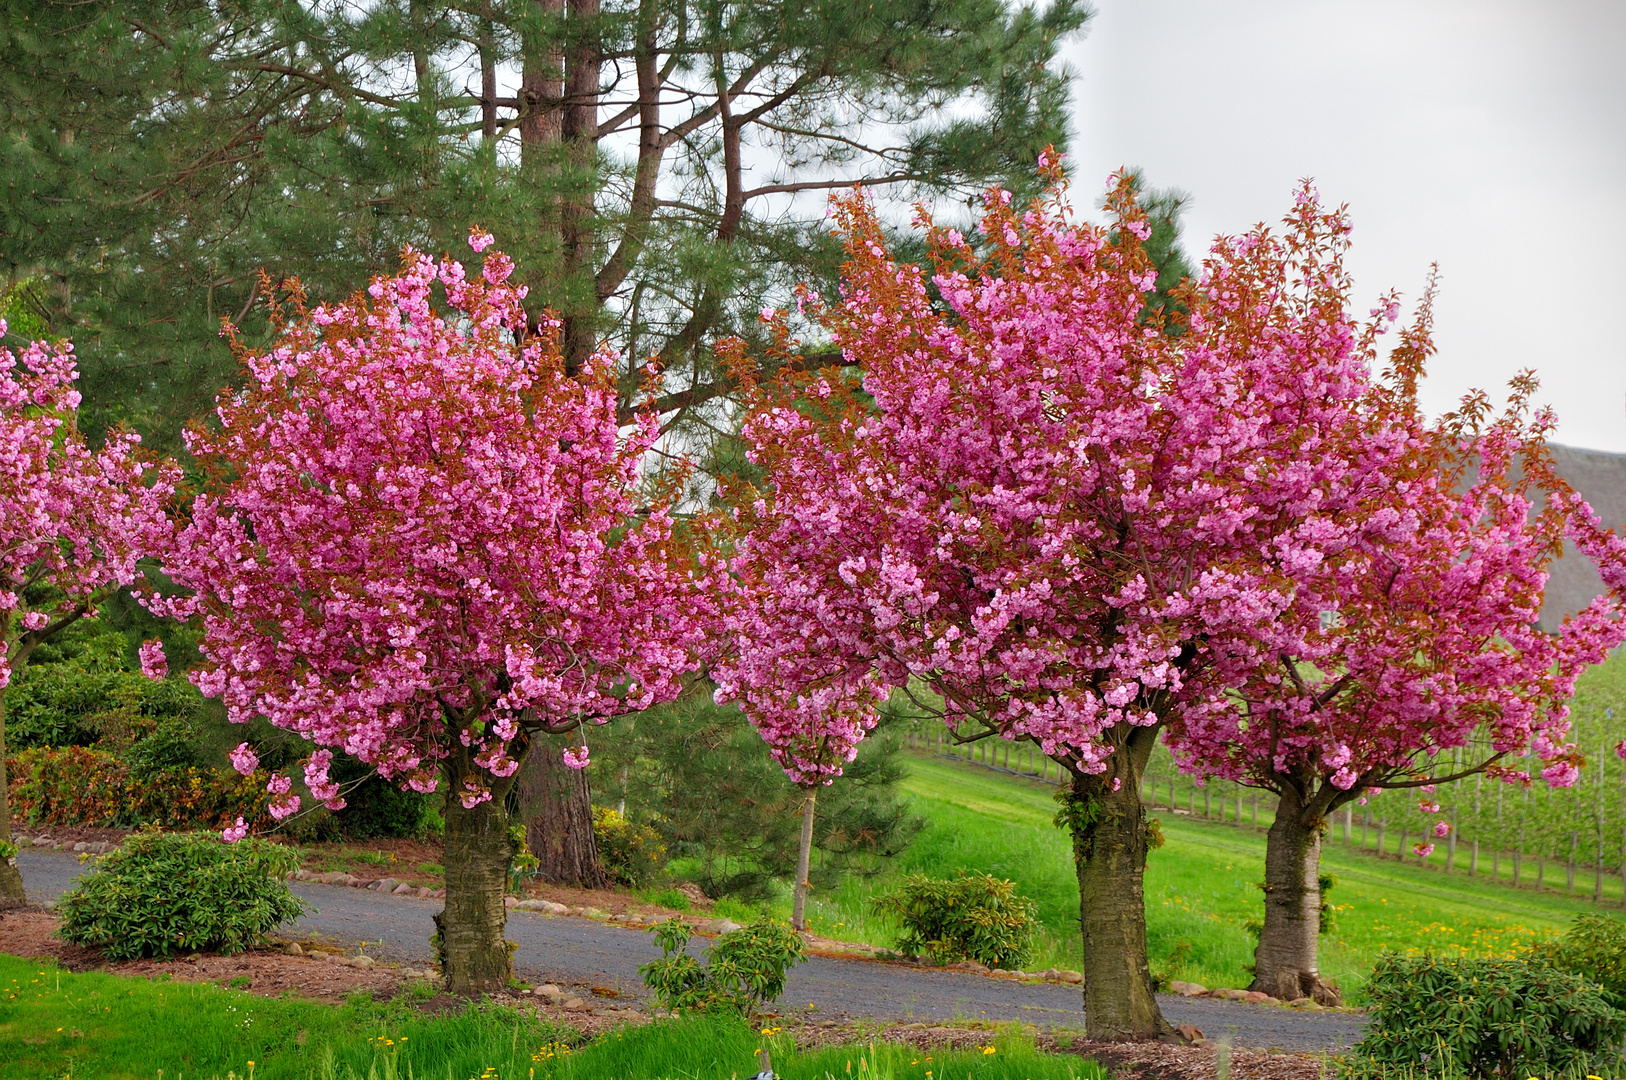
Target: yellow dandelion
987,1050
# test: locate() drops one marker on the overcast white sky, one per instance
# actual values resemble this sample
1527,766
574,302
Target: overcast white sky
1486,135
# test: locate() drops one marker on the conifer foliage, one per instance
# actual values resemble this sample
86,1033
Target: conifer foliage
655,166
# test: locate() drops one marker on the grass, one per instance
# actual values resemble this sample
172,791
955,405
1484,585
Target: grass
55,1023
1200,887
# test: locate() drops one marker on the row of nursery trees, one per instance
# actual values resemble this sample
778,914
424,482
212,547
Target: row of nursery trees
1023,498
1571,837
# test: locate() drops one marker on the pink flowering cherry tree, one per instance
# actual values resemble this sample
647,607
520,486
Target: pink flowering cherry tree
423,544
1043,514
1410,656
74,522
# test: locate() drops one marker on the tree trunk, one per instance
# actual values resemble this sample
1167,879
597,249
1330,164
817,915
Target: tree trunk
557,805
479,850
579,131
1110,842
11,879
804,859
1284,963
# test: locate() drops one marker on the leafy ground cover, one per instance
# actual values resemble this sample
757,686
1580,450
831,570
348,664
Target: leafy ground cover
1200,887
55,1023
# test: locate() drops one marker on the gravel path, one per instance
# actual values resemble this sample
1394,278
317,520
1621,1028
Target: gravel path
582,952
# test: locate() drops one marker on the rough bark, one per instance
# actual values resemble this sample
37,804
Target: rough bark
1110,844
1284,963
11,879
541,91
557,804
804,860
579,130
479,849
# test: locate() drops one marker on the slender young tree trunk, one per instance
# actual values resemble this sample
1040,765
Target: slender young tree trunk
11,879
557,805
479,850
1284,963
804,860
1110,844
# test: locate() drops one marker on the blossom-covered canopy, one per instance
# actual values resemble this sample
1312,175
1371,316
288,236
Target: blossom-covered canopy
422,533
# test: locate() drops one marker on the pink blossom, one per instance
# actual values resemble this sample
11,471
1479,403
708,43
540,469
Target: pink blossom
479,239
154,665
1422,851
1561,774
72,520
1442,829
244,759
233,833
576,756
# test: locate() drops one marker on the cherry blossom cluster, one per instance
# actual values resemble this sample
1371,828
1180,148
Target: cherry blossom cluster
1053,513
422,534
74,522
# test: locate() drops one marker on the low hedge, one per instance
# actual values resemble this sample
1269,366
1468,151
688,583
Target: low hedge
78,785
164,893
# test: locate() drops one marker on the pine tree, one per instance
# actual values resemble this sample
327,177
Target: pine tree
660,173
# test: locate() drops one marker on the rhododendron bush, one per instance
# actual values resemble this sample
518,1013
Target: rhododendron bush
421,543
74,521
1034,507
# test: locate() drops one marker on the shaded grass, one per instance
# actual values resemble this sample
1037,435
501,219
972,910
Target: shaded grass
1200,887
55,1023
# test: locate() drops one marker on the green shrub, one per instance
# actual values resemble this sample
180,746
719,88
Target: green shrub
973,916
375,808
1479,1017
1594,948
164,893
744,970
631,854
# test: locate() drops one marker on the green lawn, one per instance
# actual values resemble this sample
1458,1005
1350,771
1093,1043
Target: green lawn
55,1024
1199,887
